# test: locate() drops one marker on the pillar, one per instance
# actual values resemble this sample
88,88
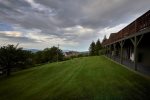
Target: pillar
135,42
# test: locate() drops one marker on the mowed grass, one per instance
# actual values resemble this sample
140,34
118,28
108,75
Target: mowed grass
88,78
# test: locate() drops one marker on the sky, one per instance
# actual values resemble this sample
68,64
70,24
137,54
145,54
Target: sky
73,24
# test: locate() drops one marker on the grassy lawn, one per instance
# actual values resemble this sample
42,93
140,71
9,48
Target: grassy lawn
89,78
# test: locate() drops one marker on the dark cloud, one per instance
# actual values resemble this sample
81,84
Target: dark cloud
96,13
93,14
51,17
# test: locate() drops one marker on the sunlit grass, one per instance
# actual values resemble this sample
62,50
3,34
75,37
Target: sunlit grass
89,78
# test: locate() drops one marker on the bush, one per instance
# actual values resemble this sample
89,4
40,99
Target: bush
102,51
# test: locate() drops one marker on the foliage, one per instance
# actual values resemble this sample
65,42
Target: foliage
11,57
92,49
52,54
102,51
38,57
98,47
105,38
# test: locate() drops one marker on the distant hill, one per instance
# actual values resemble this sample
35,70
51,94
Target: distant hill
33,50
69,53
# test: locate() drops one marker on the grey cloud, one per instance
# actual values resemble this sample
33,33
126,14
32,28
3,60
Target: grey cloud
23,14
96,13
59,14
17,39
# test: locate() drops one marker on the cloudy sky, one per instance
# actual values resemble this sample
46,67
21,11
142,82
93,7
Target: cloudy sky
71,23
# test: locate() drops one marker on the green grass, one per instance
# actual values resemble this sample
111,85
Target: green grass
89,78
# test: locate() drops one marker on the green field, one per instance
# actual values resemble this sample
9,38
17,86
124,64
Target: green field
89,78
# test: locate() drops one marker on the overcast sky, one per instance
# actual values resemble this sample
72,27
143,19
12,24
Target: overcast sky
73,24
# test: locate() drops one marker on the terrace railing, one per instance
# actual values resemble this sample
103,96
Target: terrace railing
139,24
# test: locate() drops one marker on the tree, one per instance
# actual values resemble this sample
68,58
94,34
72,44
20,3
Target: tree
11,57
98,47
92,50
56,54
105,38
52,54
28,59
38,57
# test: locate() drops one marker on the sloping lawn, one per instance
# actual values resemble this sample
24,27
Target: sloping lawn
89,78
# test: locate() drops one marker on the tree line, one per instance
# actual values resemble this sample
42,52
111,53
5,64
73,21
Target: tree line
15,58
95,48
